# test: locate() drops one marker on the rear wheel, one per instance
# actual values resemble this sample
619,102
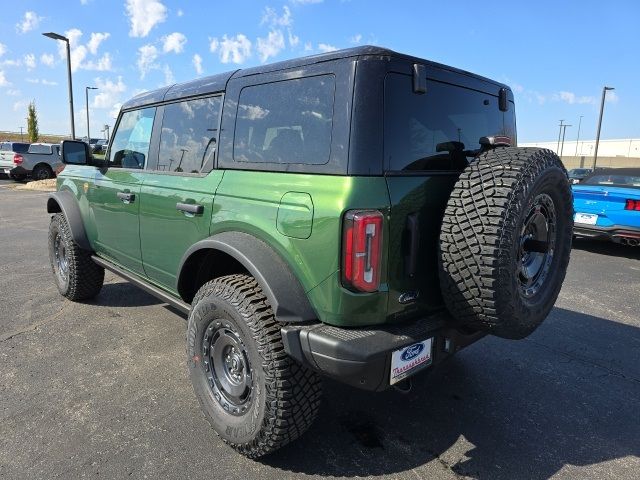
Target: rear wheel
256,398
505,240
42,172
77,276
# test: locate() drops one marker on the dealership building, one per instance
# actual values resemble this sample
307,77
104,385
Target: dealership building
611,153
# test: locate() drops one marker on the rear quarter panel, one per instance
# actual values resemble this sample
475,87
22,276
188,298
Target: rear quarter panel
608,203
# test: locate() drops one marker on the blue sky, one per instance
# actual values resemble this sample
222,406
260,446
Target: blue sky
555,55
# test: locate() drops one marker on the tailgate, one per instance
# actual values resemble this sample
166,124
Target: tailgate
417,208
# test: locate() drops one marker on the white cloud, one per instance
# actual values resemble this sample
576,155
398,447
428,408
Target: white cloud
11,63
3,80
197,63
571,98
612,97
96,40
271,18
174,42
180,12
30,21
108,93
293,39
306,2
47,59
234,49
356,39
3,49
44,81
147,55
103,64
30,61
144,15
169,79
308,47
325,47
113,113
19,105
270,46
13,92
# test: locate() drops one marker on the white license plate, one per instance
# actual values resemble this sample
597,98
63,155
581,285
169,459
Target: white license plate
408,360
586,218
7,171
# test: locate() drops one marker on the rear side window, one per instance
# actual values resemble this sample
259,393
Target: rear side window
19,147
286,122
41,149
189,135
440,129
130,148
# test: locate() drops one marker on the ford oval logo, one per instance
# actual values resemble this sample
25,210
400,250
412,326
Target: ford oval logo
412,352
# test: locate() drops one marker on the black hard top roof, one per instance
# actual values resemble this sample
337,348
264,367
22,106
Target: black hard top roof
217,83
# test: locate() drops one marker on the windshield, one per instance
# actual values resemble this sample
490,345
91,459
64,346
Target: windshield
440,129
626,179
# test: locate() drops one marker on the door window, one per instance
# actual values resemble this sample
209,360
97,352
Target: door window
130,148
189,136
286,122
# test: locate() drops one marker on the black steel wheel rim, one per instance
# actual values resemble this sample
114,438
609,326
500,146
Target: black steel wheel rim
537,245
60,253
227,368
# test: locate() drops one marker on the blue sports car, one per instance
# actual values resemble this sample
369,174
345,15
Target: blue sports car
607,206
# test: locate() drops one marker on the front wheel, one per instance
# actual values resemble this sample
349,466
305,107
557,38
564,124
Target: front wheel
77,276
256,398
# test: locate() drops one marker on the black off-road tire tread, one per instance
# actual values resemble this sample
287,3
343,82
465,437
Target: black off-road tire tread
85,277
478,232
293,392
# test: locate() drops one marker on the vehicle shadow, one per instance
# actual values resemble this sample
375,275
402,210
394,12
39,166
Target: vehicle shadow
501,409
123,294
607,248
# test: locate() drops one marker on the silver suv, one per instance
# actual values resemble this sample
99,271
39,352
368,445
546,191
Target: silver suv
39,161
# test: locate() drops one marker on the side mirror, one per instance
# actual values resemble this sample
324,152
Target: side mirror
75,152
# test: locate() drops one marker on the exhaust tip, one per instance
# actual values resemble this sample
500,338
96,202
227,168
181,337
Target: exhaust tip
404,386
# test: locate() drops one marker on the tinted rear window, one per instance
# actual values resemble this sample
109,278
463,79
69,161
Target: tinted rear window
19,147
613,179
440,129
43,149
286,122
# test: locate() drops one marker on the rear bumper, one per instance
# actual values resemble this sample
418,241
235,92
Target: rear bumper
361,357
616,233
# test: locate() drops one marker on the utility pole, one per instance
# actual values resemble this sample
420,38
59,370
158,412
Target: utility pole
559,133
578,137
564,130
595,153
21,135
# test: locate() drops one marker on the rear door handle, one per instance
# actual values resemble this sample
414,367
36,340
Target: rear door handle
192,208
126,197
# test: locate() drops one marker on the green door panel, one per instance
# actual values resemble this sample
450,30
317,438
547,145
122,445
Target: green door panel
117,231
166,232
295,215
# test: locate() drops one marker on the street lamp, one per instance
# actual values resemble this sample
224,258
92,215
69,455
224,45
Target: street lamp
56,36
595,153
86,94
578,137
564,130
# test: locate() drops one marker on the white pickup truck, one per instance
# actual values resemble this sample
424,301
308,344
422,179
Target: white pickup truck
37,160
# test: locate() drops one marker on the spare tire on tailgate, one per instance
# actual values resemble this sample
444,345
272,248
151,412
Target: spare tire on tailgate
505,240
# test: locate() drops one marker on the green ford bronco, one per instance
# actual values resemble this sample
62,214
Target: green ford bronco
360,214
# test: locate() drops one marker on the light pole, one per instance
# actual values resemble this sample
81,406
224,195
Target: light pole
595,152
86,94
578,137
559,133
564,130
57,36
21,135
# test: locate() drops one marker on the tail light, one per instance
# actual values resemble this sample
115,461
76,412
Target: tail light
17,159
362,250
632,205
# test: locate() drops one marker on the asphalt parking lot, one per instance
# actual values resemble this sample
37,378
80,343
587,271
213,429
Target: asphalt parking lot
101,389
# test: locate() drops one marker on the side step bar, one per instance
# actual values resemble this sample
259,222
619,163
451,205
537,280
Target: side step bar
147,287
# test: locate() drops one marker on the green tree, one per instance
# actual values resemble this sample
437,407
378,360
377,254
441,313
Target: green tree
32,123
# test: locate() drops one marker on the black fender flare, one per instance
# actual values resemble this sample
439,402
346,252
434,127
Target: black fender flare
284,292
67,203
